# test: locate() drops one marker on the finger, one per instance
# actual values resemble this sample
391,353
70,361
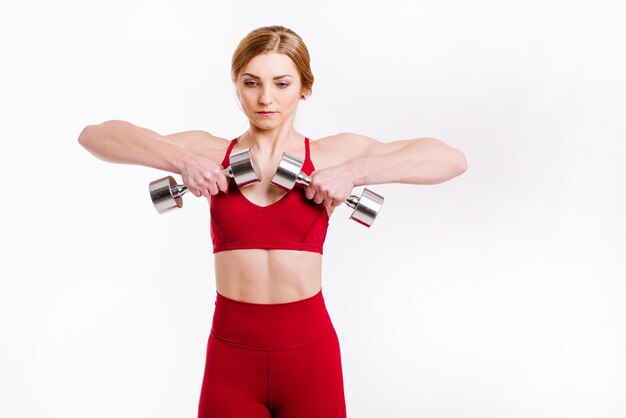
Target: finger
332,203
222,184
309,192
194,189
213,189
319,198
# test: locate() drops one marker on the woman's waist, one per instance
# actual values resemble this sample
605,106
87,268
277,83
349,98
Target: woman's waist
275,326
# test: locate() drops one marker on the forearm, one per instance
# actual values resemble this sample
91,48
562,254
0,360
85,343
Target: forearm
121,142
422,161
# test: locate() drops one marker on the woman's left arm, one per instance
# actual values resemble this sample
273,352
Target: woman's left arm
358,160
413,161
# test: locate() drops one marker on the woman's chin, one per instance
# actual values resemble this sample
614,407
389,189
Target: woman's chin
265,124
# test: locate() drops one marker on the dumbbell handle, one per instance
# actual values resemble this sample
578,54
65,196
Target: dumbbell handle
304,179
166,195
180,189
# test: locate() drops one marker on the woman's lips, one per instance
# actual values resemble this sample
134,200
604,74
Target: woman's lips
266,113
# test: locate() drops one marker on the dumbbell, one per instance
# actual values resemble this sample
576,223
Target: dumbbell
166,195
366,207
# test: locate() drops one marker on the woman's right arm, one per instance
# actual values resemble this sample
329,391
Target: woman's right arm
191,154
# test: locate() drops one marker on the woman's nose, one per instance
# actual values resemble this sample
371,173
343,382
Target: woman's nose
266,96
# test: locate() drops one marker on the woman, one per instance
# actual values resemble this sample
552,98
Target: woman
273,351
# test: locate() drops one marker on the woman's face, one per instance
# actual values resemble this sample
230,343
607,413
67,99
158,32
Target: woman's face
270,82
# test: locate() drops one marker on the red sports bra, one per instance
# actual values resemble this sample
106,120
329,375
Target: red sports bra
291,223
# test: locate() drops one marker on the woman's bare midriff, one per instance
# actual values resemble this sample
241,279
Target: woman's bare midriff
268,276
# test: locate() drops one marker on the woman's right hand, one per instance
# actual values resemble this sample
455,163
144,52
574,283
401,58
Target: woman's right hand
202,176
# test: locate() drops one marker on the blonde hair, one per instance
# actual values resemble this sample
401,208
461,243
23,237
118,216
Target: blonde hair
274,39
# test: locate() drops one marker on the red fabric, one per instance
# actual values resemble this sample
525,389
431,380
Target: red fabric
292,223
272,360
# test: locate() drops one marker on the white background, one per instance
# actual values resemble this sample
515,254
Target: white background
497,294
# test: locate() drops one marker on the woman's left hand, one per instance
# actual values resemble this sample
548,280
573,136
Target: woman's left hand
330,186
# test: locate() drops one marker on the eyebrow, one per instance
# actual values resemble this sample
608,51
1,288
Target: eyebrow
275,78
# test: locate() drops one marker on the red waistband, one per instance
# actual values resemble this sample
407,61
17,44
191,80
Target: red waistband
269,327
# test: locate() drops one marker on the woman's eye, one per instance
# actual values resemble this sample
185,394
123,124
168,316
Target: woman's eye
253,83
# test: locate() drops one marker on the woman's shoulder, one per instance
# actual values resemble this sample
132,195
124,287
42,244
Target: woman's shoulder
334,149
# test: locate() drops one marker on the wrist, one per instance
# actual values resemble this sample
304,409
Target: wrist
179,158
354,173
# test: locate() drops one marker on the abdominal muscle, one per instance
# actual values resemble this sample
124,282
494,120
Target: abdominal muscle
268,276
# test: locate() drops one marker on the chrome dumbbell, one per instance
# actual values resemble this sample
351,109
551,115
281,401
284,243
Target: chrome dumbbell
166,195
366,207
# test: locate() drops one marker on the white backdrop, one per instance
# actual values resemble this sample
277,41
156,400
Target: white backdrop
497,294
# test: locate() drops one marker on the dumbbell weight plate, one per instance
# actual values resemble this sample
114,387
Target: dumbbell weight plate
161,193
366,208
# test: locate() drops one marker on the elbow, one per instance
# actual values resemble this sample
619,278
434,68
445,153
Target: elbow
460,162
86,136
91,135
452,158
456,164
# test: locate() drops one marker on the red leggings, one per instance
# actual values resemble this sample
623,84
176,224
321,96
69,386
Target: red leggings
272,361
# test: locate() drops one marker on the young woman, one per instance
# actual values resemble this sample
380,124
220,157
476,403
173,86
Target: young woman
273,350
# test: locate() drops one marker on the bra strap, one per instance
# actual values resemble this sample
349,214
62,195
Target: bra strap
307,155
226,160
